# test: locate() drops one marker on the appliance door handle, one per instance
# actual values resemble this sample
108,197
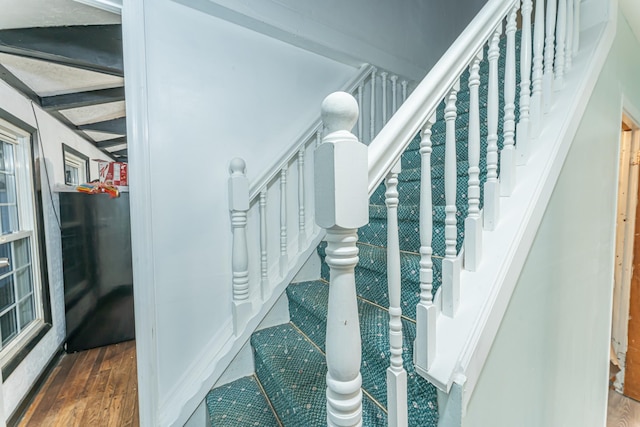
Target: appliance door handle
4,262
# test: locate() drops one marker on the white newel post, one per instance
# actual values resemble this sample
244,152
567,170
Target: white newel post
341,203
561,34
426,312
451,264
508,153
524,125
538,51
239,205
492,185
473,222
549,46
396,375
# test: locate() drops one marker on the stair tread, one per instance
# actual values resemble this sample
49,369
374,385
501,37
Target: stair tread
371,276
293,374
308,308
240,402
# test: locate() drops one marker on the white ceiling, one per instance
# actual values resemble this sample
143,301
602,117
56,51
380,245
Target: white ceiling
48,79
51,13
95,113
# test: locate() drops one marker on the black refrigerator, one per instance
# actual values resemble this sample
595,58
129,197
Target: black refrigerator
98,278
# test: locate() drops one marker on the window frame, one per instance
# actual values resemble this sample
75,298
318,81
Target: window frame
32,224
75,159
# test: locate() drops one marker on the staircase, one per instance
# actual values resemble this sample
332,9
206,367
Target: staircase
440,169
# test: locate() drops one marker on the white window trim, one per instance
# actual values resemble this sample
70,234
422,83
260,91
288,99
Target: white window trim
26,200
78,163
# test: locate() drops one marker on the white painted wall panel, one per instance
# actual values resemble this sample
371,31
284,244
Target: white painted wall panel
549,363
216,91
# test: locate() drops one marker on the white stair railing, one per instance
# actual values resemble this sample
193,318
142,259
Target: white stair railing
280,199
543,72
339,202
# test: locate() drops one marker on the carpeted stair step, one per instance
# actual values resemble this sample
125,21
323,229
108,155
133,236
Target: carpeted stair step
292,372
371,276
308,310
409,190
375,233
240,403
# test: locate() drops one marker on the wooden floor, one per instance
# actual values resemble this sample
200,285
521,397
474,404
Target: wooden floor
622,411
90,388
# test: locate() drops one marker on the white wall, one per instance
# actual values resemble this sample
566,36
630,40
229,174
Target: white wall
549,363
406,37
52,134
215,91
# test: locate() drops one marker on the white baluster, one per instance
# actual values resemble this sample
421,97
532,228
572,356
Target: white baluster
473,222
404,90
538,48
302,232
524,125
568,53
547,78
508,153
319,137
576,27
394,93
284,256
561,34
341,181
492,185
264,276
383,78
451,264
372,118
360,117
426,312
239,205
396,375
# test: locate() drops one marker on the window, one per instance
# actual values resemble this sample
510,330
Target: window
75,166
21,310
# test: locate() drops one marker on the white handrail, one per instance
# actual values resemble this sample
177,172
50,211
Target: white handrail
387,147
292,151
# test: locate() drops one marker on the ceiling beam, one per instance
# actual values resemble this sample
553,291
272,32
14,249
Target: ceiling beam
82,99
111,142
115,126
90,47
119,153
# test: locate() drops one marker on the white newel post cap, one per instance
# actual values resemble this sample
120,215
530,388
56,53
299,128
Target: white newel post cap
341,167
238,185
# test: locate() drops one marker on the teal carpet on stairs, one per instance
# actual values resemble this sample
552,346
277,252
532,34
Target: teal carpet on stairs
288,388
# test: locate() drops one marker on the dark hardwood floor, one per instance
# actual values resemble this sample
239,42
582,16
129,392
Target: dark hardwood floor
96,387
